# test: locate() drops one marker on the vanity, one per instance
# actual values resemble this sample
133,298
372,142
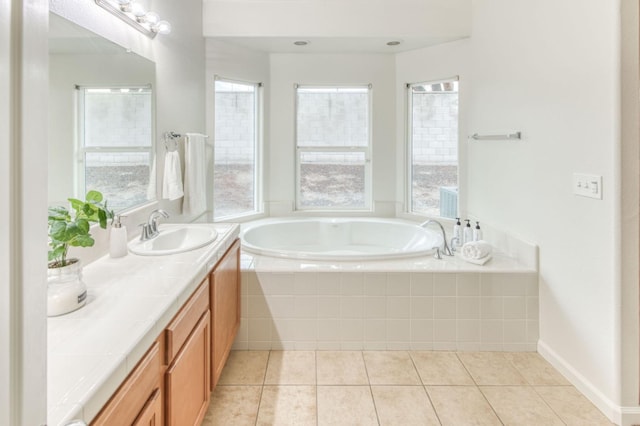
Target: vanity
150,344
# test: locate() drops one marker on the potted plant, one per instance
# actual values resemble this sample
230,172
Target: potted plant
66,291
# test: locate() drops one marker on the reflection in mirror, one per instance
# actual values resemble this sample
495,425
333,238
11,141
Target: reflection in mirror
101,119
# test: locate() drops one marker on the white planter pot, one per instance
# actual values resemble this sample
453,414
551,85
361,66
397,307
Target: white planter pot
66,291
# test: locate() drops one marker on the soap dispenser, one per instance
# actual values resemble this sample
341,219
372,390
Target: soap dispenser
467,233
457,233
118,239
477,232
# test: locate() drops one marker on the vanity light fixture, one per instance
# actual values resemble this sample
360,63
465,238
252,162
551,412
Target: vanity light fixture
134,14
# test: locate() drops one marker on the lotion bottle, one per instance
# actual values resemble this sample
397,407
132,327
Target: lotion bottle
118,239
457,233
477,233
468,232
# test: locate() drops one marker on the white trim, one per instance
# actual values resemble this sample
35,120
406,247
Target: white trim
611,410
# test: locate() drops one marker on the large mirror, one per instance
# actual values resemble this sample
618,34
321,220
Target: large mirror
101,118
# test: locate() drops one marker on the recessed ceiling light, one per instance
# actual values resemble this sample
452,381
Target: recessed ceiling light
393,43
301,42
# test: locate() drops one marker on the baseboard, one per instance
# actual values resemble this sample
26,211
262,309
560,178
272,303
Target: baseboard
624,416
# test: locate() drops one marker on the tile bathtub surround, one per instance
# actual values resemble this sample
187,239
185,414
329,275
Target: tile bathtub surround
429,388
319,309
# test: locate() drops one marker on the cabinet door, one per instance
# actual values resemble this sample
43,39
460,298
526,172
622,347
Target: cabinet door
132,398
225,308
187,379
151,414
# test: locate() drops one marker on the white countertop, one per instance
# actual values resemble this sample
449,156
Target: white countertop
130,301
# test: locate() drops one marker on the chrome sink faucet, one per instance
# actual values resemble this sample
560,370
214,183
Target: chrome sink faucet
150,229
445,247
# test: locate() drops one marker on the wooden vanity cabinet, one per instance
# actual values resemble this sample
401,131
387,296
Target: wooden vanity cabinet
138,401
225,308
189,361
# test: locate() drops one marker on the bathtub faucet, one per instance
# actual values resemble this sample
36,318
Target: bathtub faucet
445,246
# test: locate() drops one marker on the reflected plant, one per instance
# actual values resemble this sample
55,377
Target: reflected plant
72,230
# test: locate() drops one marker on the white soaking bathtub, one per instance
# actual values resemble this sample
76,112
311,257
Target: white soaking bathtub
353,239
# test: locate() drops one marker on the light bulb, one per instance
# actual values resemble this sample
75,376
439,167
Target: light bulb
162,27
152,18
137,10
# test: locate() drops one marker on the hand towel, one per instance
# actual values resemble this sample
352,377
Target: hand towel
172,182
151,188
195,194
476,249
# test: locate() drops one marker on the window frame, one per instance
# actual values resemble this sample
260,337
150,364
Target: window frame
79,173
366,150
409,202
258,167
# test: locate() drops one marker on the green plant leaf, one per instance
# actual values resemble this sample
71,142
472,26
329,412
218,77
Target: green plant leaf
102,216
58,230
75,204
94,197
83,241
83,226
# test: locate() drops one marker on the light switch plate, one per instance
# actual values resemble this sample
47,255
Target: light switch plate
587,185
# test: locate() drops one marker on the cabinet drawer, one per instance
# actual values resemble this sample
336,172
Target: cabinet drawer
185,321
131,398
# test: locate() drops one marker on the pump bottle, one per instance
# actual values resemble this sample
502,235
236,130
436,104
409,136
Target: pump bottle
118,239
477,232
467,233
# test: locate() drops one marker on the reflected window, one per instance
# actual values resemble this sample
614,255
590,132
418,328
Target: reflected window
433,148
116,144
236,154
333,148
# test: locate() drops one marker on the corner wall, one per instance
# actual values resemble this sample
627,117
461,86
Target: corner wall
551,70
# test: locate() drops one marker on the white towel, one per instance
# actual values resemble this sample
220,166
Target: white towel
476,250
172,182
195,181
151,188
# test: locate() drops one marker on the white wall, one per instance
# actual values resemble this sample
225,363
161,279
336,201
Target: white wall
550,69
236,63
355,69
432,63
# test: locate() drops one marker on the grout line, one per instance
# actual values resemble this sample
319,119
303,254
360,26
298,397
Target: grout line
264,377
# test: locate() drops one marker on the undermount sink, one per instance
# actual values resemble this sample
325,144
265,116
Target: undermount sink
174,239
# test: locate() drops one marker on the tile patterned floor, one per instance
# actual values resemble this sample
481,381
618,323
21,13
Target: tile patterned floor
395,388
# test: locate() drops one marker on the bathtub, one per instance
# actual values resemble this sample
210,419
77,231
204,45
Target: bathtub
350,239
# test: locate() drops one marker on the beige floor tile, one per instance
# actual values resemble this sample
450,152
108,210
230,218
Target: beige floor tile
233,405
390,368
440,368
346,405
491,368
287,405
520,405
244,368
403,405
462,406
291,368
535,369
341,368
571,406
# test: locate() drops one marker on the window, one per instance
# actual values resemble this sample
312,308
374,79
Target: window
333,148
433,148
115,144
236,158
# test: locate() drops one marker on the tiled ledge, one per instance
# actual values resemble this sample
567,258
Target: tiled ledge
130,301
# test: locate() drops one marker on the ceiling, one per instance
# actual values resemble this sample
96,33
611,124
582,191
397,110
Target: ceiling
336,26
